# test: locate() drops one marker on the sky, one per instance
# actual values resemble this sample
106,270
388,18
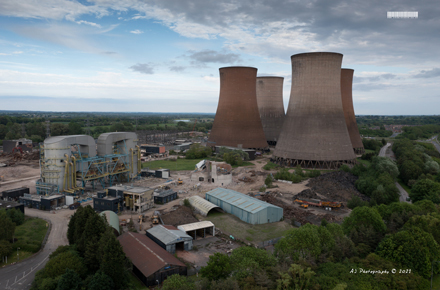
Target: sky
164,55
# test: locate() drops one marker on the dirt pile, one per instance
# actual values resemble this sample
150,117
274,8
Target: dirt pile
334,186
289,211
181,216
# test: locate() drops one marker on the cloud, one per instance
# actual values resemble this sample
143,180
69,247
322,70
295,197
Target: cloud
432,73
88,23
377,78
212,56
137,31
145,68
177,68
2,53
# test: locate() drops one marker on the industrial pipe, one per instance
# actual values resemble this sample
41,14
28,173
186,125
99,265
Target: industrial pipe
66,171
75,187
139,159
131,165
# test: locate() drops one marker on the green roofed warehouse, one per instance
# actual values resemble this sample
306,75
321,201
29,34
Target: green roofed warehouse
246,208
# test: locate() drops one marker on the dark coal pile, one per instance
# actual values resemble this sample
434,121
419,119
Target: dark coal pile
289,211
333,186
181,216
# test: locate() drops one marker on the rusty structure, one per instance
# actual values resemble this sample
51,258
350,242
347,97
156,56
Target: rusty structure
270,106
314,133
237,121
347,105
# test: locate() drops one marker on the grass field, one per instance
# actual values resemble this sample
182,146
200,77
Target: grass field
364,162
179,164
29,237
247,232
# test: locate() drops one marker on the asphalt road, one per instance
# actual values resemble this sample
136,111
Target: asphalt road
20,275
403,194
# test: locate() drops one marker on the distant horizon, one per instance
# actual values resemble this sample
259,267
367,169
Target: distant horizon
200,113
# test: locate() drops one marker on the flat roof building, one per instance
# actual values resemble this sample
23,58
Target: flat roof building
246,208
151,263
10,205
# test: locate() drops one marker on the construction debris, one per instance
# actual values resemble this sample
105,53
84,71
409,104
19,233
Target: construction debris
334,186
289,211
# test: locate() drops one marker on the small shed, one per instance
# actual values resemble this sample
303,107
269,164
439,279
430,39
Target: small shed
203,229
151,263
246,208
165,196
104,203
163,173
170,238
14,193
201,205
10,205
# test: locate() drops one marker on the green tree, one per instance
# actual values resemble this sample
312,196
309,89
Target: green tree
302,243
77,222
364,225
75,129
429,223
70,280
5,248
113,261
218,267
268,181
409,170
16,216
59,264
425,189
384,164
412,248
58,129
178,282
295,278
100,281
7,226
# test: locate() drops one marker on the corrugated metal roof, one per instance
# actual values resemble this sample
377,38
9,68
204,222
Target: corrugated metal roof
112,219
145,254
201,205
240,200
167,235
196,226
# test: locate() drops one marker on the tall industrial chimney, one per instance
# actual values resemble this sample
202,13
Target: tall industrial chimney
237,121
347,105
271,107
314,133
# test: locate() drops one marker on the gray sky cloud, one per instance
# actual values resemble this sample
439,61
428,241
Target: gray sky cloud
145,68
177,68
212,56
432,73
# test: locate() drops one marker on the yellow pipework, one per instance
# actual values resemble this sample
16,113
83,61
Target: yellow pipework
131,167
66,172
139,158
75,187
71,177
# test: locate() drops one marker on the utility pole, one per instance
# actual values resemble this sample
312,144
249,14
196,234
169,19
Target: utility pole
23,130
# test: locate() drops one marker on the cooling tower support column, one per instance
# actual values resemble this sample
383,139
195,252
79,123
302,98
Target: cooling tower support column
314,133
270,106
237,121
347,105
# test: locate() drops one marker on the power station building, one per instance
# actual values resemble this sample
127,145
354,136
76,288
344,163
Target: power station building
270,106
314,133
66,161
237,121
347,105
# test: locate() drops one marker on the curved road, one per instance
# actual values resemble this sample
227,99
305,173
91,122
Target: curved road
403,194
20,276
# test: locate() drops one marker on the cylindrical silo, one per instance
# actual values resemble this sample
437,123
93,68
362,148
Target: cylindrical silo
314,133
270,106
237,121
347,105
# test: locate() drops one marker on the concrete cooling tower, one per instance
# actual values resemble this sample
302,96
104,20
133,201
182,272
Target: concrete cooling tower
237,121
271,107
314,133
347,105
